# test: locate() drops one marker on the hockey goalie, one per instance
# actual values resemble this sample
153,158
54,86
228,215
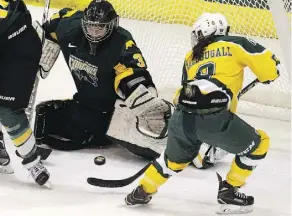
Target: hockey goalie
107,67
116,99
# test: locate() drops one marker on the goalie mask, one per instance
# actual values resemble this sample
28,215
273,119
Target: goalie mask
99,21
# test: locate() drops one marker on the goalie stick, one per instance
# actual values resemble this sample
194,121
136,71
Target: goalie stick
124,182
29,109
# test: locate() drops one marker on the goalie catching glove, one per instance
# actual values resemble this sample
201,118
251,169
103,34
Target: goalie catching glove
152,113
50,52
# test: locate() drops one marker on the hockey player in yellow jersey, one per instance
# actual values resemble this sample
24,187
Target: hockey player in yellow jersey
205,112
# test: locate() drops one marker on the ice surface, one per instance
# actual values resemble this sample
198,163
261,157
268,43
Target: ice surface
192,192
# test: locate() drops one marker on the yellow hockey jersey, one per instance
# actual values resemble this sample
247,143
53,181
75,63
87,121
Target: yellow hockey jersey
223,64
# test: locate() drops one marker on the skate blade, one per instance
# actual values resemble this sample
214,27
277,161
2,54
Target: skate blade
226,209
48,185
6,169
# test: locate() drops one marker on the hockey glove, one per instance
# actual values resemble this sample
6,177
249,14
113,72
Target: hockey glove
152,113
278,66
192,97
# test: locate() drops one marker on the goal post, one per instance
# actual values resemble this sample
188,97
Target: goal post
282,21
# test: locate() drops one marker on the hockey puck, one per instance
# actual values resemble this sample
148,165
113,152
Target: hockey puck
99,160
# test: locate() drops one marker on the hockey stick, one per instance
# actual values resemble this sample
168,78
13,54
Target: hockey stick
116,183
248,87
29,109
124,182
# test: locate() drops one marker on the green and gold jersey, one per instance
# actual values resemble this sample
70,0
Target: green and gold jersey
223,64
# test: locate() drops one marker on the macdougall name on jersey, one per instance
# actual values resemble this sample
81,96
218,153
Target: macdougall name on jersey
17,32
79,64
219,52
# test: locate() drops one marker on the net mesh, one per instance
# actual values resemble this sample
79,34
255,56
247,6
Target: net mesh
162,29
246,17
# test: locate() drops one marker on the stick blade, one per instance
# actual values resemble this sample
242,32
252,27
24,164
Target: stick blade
116,183
108,183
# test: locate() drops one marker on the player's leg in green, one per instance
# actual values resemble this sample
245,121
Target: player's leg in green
229,132
181,149
222,129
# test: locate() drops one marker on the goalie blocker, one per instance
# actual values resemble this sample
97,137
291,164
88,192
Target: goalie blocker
50,51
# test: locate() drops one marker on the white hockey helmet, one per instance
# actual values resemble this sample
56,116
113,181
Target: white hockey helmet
222,24
204,26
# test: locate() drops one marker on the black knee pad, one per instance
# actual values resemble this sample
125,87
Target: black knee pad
47,106
42,109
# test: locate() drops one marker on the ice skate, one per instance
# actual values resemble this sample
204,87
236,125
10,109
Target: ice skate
138,196
5,166
37,170
232,201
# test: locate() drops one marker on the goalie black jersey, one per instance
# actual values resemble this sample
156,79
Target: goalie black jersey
223,64
99,78
14,19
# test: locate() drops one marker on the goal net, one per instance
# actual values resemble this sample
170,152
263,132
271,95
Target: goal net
162,28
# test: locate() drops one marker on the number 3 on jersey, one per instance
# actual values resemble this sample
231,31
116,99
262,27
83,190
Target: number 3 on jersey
140,60
206,70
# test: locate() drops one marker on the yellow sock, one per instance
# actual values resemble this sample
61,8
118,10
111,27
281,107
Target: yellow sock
237,176
243,166
159,172
152,180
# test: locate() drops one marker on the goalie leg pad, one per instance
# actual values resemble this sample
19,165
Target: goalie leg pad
152,113
42,109
153,121
66,125
123,131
